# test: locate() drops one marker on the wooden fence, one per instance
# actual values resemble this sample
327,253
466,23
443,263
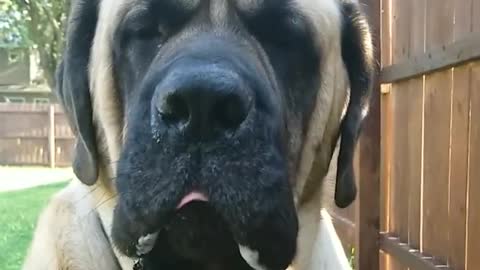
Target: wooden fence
424,211
34,134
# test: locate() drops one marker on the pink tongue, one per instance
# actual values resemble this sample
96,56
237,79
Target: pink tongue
193,196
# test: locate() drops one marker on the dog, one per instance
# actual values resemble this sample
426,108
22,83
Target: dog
204,129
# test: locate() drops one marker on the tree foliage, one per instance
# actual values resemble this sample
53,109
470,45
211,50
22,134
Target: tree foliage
38,24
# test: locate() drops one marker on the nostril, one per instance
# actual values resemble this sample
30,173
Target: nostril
174,110
230,111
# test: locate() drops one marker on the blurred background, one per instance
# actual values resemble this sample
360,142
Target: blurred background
35,140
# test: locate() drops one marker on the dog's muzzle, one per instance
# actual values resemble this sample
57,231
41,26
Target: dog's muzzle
202,176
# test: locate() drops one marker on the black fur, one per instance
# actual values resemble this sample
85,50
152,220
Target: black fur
244,173
73,87
360,73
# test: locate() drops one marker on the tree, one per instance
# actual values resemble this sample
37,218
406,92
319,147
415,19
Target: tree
38,24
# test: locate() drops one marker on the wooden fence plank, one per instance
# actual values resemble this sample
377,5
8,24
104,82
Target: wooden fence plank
458,163
473,231
368,218
400,180
386,132
436,164
409,257
475,28
414,146
386,164
386,33
401,20
439,19
473,185
437,133
464,50
463,19
401,25
368,203
386,114
414,125
417,29
459,143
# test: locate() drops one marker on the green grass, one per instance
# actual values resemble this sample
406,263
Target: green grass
19,211
351,257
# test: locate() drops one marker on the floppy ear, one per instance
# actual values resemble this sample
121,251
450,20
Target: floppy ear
357,53
72,87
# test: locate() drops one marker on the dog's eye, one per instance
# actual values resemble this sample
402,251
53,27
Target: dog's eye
278,27
148,32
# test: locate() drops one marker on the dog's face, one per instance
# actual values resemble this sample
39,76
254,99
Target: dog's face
208,115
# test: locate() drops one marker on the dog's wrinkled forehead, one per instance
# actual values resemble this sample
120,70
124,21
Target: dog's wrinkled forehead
323,17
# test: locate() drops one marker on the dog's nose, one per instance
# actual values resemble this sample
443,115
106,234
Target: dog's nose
203,102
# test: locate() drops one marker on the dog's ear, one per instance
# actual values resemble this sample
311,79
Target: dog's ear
72,87
357,53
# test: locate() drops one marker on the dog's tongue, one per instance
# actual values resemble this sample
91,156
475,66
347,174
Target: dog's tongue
191,197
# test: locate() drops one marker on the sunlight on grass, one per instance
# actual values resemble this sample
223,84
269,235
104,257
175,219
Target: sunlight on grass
19,211
351,257
17,178
9,173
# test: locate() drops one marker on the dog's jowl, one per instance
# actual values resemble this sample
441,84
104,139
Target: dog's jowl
204,130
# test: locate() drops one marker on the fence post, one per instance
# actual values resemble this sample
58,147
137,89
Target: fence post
368,212
51,135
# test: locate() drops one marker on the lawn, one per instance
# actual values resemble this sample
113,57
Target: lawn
17,178
19,211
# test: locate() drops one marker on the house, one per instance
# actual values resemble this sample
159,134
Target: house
18,68
15,68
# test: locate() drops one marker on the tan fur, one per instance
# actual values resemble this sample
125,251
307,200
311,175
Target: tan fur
309,195
70,229
326,19
218,12
107,110
323,128
69,235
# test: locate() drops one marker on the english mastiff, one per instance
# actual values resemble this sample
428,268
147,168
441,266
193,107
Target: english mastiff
204,129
